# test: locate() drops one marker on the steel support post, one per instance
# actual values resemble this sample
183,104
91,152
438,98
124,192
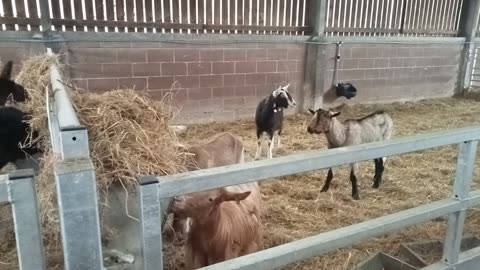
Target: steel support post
151,224
79,218
45,21
461,189
23,197
315,62
469,18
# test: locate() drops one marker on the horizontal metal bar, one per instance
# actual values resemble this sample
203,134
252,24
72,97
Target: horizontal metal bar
3,188
325,242
20,21
200,180
397,40
468,260
360,30
67,118
159,25
429,31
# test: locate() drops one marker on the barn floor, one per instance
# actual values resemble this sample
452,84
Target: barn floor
294,208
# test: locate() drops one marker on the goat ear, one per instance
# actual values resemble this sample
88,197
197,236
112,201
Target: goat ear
311,111
334,114
7,70
234,196
276,92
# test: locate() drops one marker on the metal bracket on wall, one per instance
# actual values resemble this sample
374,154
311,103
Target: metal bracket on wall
337,60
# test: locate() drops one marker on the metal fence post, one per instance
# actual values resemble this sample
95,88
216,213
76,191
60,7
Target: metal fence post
75,183
315,59
151,223
461,189
469,18
79,218
23,198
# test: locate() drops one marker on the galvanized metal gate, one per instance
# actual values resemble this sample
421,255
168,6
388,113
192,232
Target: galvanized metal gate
475,76
153,190
18,190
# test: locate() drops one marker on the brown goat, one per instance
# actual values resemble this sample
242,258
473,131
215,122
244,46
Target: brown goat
224,149
225,223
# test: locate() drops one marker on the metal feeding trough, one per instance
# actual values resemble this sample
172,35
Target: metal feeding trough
421,254
342,89
383,261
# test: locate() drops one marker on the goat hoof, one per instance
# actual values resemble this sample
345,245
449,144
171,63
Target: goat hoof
355,196
324,189
376,185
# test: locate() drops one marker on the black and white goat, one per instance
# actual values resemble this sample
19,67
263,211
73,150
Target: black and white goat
8,87
377,126
14,132
269,117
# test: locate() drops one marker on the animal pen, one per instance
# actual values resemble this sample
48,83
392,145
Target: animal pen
222,57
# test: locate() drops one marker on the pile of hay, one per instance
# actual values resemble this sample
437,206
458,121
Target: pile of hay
129,136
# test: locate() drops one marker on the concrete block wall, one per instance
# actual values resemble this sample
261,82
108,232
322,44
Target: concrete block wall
18,52
393,72
209,83
226,82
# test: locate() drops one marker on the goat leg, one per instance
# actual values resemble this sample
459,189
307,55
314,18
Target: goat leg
379,168
257,154
277,134
353,179
376,173
326,186
271,144
259,144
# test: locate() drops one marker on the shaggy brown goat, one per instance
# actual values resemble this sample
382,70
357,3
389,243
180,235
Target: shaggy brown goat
223,149
225,224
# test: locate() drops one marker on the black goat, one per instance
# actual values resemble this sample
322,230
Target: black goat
9,87
13,132
269,117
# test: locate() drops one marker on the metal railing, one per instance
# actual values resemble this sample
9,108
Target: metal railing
18,189
155,190
75,181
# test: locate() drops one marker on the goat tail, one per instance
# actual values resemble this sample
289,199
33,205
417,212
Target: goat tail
7,70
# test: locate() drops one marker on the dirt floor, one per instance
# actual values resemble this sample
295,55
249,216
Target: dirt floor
294,207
